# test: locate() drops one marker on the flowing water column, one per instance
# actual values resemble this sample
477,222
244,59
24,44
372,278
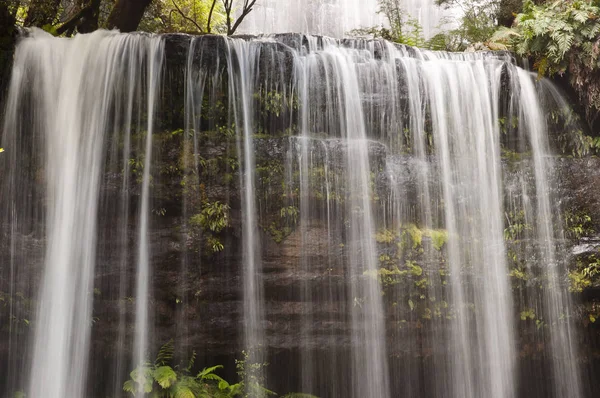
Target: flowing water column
19,204
557,302
143,278
242,62
130,61
463,99
74,127
303,145
369,362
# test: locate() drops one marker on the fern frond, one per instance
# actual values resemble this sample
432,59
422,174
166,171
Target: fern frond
165,376
165,354
213,377
191,362
207,371
181,391
129,386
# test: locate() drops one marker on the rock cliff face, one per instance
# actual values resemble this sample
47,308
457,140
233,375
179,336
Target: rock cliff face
196,243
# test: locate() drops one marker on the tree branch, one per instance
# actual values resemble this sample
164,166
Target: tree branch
248,4
186,17
210,14
71,24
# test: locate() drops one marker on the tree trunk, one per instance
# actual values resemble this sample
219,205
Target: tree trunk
89,19
127,14
506,11
8,37
41,12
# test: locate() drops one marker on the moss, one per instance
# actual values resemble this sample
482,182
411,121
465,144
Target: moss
416,235
519,273
513,156
385,236
414,269
422,283
528,313
439,238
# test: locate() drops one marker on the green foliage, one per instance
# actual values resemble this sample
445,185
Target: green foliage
252,375
529,313
50,29
519,273
585,274
550,31
403,28
190,16
563,36
163,380
516,225
275,103
385,236
416,235
213,218
477,24
290,212
438,238
577,225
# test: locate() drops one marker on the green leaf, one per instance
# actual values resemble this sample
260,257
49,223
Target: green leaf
223,385
129,386
207,371
183,392
165,376
165,354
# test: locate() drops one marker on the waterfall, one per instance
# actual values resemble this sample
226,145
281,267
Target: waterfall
556,299
142,323
335,18
50,79
337,215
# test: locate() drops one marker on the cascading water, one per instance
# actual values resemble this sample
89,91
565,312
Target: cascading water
337,209
50,79
335,18
556,303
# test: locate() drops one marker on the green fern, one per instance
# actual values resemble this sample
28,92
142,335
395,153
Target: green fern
165,354
191,362
165,376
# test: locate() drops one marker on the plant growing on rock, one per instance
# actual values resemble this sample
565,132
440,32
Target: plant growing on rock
162,380
213,218
585,275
